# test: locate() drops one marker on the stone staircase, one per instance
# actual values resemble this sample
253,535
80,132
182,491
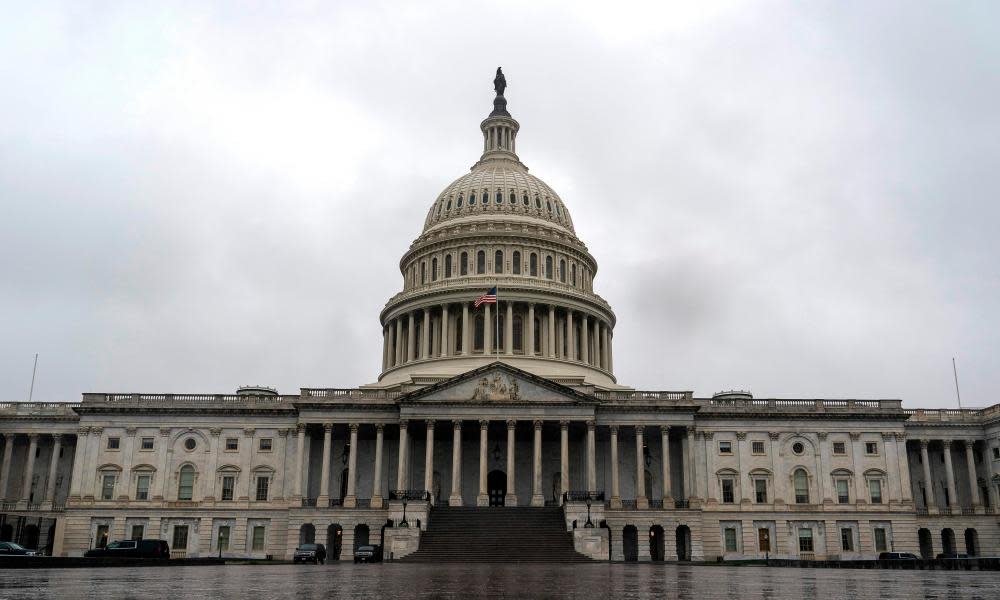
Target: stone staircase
466,534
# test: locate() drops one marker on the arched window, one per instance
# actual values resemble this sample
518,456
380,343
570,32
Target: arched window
499,197
464,264
459,204
562,271
538,202
423,273
548,267
801,483
472,198
477,341
572,273
516,263
498,262
512,197
533,265
480,262
449,204
434,269
547,203
185,483
558,210
518,337
447,266
524,199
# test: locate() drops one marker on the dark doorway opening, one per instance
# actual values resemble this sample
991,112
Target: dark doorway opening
947,540
971,542
496,482
6,533
926,544
630,543
361,535
656,550
334,537
683,543
29,537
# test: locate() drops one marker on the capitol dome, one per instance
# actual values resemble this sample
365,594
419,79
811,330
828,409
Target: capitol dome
498,226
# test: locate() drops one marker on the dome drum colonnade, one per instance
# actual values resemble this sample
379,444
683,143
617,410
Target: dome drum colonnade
498,226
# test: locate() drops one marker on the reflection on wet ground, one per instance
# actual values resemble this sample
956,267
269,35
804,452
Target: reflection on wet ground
599,580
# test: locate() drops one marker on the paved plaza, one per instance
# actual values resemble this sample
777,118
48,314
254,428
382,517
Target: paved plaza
603,580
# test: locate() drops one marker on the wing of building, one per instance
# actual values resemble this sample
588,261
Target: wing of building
513,402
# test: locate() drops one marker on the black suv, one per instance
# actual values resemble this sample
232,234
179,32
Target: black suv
314,553
897,556
368,554
132,549
12,549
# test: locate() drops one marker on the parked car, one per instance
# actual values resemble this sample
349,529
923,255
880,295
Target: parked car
368,554
897,556
314,553
132,549
952,555
12,549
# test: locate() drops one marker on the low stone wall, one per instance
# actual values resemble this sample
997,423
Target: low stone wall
592,542
948,564
400,541
77,562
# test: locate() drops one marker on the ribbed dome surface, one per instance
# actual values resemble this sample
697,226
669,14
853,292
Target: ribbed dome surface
476,192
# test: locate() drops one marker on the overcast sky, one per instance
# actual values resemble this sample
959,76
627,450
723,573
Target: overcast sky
799,199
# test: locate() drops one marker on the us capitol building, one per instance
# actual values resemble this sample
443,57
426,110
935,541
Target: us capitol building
508,404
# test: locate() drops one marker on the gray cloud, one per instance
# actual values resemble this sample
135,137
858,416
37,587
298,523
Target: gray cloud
797,200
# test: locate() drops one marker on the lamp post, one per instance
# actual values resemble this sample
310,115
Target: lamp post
590,524
403,523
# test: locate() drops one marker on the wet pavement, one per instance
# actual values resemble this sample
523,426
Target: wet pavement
600,580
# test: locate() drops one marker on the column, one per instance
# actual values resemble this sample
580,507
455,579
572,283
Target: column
425,334
537,499
488,327
903,461
465,328
563,457
529,343
604,346
690,462
399,347
300,431
429,459
611,351
595,344
377,477
351,499
456,465
668,500
570,336
29,469
591,457
324,477
50,491
385,347
444,330
949,472
616,500
511,498
8,450
411,338
508,330
928,482
551,322
584,339
640,465
483,499
401,467
970,462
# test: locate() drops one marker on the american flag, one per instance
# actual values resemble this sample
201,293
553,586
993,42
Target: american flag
489,297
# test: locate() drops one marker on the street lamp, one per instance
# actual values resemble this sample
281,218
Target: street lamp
590,524
403,523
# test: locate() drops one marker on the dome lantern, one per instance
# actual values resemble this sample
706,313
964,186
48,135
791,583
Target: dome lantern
499,129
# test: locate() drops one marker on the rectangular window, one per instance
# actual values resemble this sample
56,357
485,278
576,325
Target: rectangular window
727,491
725,447
757,447
805,539
258,538
142,487
180,537
223,542
730,536
839,448
228,484
875,490
264,445
871,448
843,492
108,487
138,531
262,484
760,490
232,444
114,443
847,539
880,540
146,443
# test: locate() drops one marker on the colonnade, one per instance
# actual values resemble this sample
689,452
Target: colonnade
950,484
28,473
526,328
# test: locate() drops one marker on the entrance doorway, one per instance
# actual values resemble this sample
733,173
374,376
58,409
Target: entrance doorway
926,544
656,549
496,482
683,543
630,543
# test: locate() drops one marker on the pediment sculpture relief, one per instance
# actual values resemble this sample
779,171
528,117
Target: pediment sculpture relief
497,388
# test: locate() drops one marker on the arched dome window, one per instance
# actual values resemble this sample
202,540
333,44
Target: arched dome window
459,203
572,274
499,197
498,262
512,197
538,202
478,334
464,264
558,211
547,203
524,199
185,483
449,204
472,198
562,271
447,266
423,273
434,269
548,267
533,265
480,262
516,263
518,337
801,482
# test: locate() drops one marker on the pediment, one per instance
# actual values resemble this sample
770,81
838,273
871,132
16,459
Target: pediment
496,383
